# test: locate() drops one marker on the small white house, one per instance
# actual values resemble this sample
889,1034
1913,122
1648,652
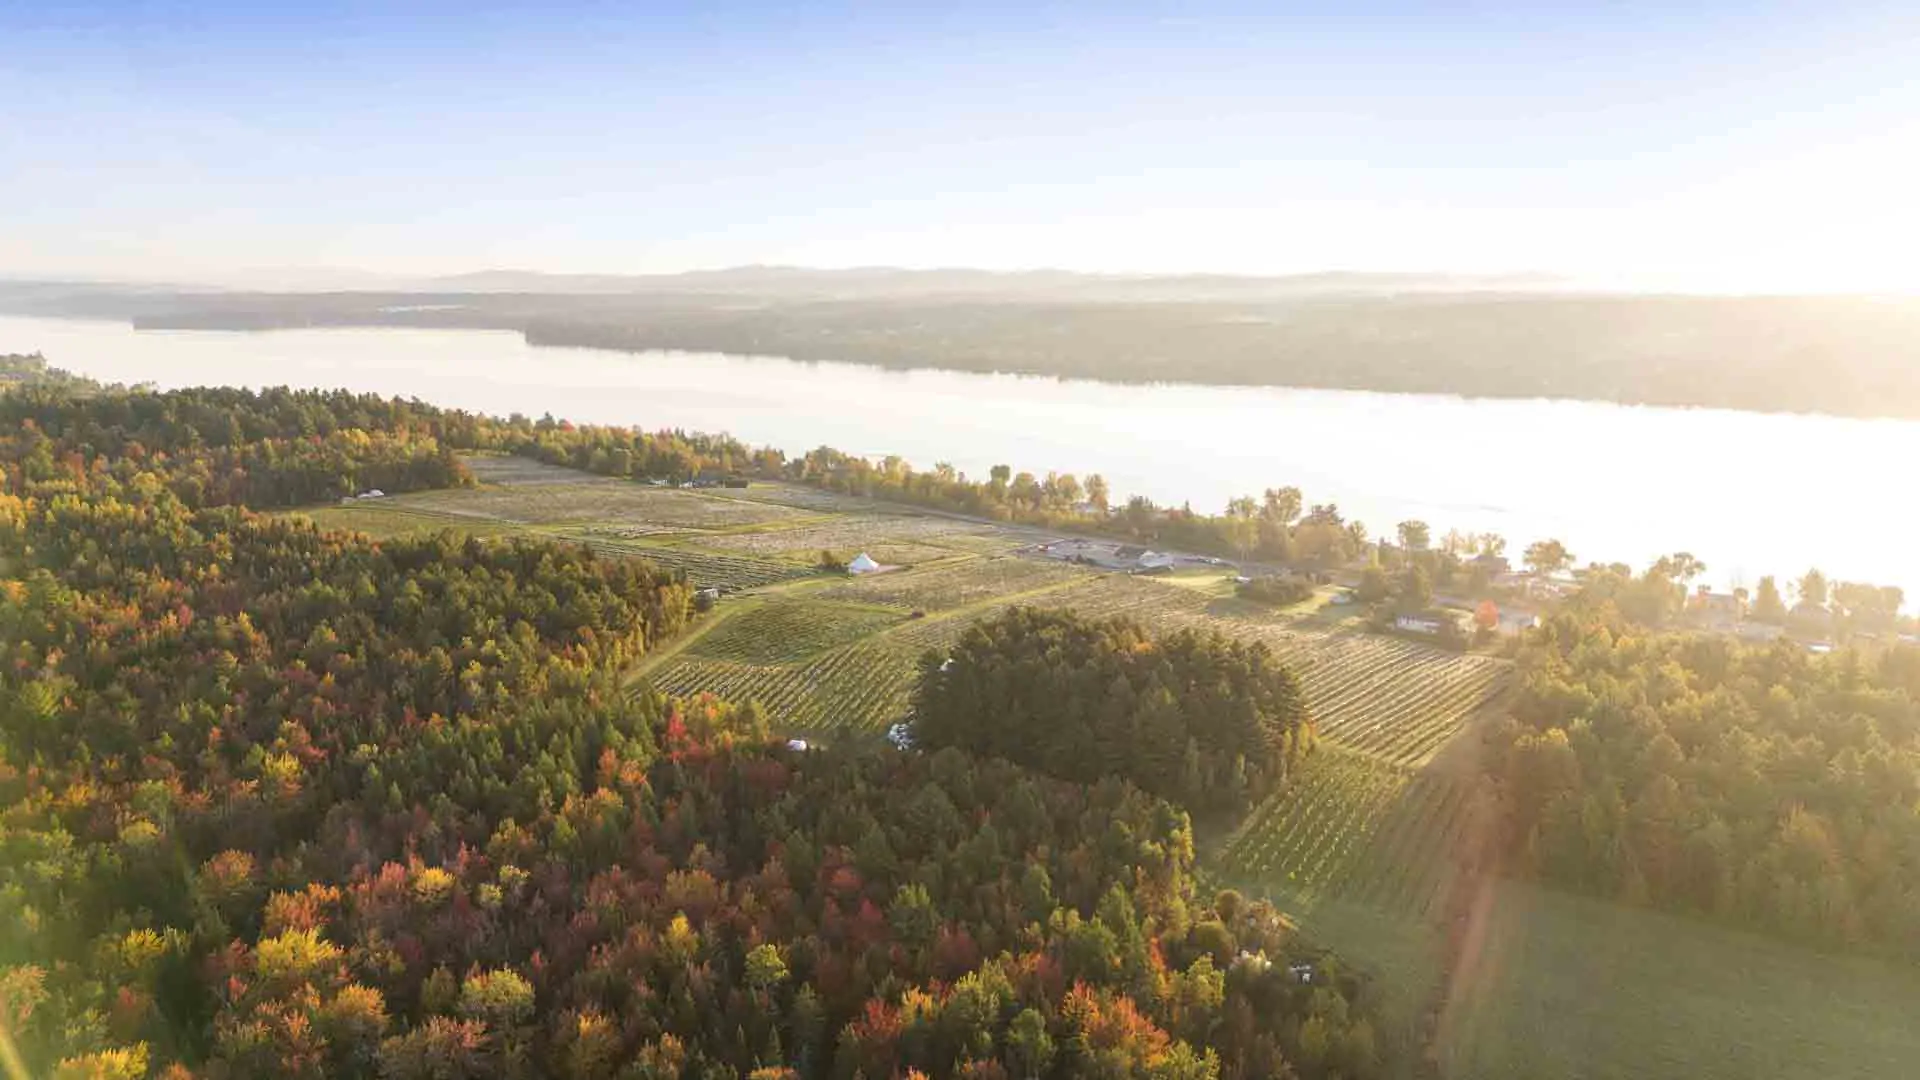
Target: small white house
797,744
1430,622
1513,620
862,564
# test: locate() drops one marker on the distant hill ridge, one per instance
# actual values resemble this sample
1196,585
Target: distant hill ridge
1502,337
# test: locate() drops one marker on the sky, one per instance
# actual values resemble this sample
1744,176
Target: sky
1709,145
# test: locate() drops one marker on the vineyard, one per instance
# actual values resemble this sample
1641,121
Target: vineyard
529,493
702,568
785,631
956,584
385,520
862,686
1348,826
1399,700
846,532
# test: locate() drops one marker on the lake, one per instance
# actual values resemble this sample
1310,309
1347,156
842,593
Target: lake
1749,493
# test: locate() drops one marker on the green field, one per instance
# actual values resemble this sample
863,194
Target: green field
1572,987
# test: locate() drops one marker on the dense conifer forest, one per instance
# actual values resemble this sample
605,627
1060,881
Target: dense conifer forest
1207,722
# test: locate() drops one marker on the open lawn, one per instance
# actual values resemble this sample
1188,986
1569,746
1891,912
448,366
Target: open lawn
1580,988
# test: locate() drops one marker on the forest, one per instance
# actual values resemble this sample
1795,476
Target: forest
276,801
1759,784
1208,722
19,370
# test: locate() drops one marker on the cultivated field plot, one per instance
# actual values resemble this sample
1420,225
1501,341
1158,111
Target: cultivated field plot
956,584
803,497
1575,987
1350,827
848,532
1399,700
864,686
512,469
382,519
1160,606
525,492
701,568
784,631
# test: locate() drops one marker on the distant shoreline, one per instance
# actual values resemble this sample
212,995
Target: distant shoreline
640,338
1842,356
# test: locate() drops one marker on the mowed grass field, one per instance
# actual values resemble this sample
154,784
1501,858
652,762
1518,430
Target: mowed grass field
1573,987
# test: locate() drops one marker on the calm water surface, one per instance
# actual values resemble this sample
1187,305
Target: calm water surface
1749,493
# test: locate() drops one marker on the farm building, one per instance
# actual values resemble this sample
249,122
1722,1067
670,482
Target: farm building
1112,556
1093,552
1428,622
1538,586
1758,631
1808,611
1514,620
862,564
1494,565
1715,607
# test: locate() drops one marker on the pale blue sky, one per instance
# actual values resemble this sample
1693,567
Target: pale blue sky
1745,146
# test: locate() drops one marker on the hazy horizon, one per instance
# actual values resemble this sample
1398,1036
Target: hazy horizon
1721,148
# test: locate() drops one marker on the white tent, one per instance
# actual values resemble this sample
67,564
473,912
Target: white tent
862,564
